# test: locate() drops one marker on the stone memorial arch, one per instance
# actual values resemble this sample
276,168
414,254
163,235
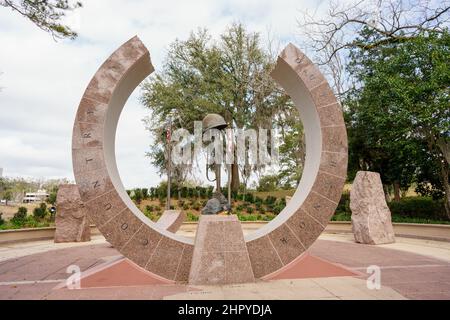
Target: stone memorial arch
165,254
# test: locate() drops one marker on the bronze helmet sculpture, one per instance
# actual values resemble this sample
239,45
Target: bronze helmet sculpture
214,121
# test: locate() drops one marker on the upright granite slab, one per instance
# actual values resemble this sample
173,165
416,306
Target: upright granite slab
72,224
220,254
371,217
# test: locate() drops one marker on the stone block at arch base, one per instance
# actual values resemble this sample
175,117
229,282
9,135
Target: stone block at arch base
166,255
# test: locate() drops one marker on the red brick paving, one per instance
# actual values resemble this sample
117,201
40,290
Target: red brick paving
413,276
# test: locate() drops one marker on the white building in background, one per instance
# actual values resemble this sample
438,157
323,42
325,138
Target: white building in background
39,196
1,172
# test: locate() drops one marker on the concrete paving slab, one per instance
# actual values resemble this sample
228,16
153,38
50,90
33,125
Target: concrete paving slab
37,267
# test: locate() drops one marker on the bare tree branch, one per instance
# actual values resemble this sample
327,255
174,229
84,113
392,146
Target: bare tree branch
392,21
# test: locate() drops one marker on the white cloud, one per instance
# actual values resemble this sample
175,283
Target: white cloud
43,80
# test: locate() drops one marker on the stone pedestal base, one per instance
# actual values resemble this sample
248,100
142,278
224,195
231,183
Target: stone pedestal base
220,253
72,224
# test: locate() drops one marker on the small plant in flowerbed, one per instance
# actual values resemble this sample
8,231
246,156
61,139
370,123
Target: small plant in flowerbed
2,221
269,217
196,206
158,209
258,200
191,217
259,207
270,200
250,198
152,216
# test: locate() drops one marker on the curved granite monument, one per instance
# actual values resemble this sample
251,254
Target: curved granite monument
166,254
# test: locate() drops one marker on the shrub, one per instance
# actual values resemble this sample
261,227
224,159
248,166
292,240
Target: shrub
174,191
191,217
20,215
258,200
262,210
144,193
268,217
250,198
344,204
185,206
1,219
418,207
52,198
153,217
246,205
149,208
250,210
137,197
268,183
278,206
341,216
40,212
203,192
152,193
270,200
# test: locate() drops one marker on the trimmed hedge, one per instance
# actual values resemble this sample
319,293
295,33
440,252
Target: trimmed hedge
419,207
344,204
410,207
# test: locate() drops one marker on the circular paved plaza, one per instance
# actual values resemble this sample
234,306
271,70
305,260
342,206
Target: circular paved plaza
410,269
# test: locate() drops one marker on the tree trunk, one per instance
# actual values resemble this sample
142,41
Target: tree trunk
444,146
445,182
396,191
386,192
235,177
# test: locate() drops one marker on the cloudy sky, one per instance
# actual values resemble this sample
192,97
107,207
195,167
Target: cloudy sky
42,80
